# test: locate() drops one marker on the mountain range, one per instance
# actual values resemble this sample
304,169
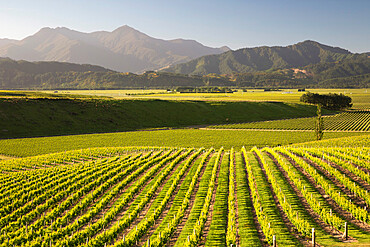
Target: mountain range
263,58
124,49
96,61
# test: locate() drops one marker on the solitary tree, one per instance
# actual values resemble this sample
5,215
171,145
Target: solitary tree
319,124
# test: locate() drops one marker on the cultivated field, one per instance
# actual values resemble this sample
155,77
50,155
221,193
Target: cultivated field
196,138
141,196
360,97
345,121
190,186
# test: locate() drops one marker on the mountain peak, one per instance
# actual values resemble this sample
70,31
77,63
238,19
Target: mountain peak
312,43
125,49
308,41
125,28
49,30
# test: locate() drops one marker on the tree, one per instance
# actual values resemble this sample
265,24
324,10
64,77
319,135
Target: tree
319,124
328,101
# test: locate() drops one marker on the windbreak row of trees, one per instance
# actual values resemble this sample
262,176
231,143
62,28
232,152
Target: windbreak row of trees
204,90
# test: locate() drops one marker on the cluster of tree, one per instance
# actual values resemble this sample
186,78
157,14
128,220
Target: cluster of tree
204,90
328,101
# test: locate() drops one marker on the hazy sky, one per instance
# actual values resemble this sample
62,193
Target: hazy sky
237,24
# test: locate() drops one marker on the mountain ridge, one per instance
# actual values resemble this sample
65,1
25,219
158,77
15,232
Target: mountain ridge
263,58
125,49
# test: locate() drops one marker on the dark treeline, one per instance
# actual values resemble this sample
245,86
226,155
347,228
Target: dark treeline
204,90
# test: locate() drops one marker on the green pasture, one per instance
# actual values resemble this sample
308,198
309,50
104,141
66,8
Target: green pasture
30,117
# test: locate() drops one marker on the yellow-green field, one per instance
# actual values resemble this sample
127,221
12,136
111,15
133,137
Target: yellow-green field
360,97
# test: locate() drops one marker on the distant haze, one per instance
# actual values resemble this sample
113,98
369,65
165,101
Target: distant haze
124,49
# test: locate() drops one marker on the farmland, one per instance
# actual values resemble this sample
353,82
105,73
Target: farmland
197,138
140,196
345,121
360,97
243,184
37,114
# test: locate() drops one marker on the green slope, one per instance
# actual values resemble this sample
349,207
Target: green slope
29,117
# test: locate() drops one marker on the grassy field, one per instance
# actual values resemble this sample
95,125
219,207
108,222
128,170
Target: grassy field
171,138
45,116
181,197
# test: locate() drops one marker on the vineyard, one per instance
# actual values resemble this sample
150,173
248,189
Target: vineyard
346,121
153,196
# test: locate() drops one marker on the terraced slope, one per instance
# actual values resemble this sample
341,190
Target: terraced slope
152,196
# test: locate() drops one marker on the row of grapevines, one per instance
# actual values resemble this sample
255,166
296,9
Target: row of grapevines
299,222
360,160
74,193
67,157
113,232
142,227
247,230
342,201
41,202
325,215
55,182
118,181
19,195
198,228
346,181
28,182
352,121
231,224
262,216
362,153
346,165
92,229
165,234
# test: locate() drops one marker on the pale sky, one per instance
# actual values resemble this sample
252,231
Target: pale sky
237,24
